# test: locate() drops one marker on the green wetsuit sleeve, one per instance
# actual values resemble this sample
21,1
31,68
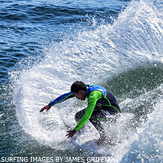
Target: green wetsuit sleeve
92,100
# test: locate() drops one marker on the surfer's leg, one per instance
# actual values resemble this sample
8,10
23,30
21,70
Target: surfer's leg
79,115
96,118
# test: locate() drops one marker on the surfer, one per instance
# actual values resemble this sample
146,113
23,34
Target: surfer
101,103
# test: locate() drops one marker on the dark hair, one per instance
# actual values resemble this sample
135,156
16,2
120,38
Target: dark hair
77,86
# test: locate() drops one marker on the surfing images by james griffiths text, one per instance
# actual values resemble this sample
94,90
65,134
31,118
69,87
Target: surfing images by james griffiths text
54,159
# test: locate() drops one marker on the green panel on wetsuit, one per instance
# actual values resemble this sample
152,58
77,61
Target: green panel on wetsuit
92,100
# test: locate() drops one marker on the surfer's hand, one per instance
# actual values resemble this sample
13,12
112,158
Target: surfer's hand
71,133
47,107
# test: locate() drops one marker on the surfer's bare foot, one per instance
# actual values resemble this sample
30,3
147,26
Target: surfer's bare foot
101,140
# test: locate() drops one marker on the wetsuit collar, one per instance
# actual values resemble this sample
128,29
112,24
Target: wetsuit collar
88,92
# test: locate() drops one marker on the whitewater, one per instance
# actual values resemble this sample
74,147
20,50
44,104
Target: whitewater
126,57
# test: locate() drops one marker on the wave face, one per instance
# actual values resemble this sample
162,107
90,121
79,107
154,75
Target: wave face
124,55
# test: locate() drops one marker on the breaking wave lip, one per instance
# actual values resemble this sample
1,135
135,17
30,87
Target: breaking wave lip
100,54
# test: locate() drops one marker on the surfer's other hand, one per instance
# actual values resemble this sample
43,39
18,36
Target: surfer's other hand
71,133
47,107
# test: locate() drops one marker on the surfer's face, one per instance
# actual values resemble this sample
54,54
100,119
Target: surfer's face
81,95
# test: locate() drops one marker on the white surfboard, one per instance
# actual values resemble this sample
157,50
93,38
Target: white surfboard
88,141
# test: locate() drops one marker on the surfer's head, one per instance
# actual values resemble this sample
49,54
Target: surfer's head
79,89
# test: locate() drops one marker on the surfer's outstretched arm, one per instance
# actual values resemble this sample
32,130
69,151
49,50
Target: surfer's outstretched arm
58,100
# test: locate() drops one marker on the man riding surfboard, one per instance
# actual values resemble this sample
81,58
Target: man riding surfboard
101,103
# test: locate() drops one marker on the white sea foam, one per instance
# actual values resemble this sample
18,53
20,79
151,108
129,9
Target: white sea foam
135,39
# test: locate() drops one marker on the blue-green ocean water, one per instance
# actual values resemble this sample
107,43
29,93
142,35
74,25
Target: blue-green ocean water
47,45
